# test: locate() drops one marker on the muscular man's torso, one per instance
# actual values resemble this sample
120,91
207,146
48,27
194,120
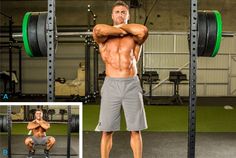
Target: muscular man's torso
120,55
37,130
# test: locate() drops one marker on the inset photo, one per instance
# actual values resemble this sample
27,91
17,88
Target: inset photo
40,130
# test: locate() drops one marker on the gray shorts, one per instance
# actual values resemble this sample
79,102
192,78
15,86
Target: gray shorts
40,141
125,92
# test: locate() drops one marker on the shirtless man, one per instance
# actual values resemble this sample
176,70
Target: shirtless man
38,128
120,46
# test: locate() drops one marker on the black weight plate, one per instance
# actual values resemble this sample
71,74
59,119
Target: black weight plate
77,123
1,124
211,34
74,123
4,121
32,35
42,33
202,32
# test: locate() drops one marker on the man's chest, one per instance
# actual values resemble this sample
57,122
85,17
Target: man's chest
118,46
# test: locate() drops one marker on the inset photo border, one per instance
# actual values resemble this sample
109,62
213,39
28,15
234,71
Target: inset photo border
45,129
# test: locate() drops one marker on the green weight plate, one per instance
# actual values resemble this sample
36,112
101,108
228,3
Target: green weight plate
25,34
42,33
219,33
32,34
211,34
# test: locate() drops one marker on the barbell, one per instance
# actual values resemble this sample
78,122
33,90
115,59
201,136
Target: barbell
34,31
74,124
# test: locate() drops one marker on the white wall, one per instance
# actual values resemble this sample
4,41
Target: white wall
215,76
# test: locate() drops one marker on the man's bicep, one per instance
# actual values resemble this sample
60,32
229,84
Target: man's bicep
100,40
98,36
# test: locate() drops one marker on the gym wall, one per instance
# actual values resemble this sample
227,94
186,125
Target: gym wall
215,76
167,15
18,113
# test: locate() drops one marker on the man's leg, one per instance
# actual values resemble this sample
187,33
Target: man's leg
51,141
136,143
49,144
29,143
106,144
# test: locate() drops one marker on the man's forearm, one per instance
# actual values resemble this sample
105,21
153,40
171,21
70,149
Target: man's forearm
134,29
139,32
106,30
32,126
44,125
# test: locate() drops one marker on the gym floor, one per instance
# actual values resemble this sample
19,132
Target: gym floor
59,150
167,135
174,118
164,145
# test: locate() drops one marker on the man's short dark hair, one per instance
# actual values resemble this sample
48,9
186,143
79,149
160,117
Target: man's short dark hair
120,3
39,110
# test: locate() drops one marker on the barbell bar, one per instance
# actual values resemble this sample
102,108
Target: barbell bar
74,124
60,34
79,34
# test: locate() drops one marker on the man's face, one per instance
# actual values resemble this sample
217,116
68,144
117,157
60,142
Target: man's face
38,115
120,15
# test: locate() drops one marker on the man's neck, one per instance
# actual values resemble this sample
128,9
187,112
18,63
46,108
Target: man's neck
119,24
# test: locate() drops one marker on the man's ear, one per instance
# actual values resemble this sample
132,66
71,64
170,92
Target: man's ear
128,18
112,16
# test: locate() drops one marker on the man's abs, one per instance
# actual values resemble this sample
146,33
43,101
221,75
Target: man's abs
38,132
119,57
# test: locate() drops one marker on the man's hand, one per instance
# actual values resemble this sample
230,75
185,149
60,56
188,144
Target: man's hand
45,125
32,125
101,32
123,32
139,32
118,26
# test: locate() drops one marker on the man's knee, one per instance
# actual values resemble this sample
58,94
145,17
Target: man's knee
107,134
51,140
28,141
135,133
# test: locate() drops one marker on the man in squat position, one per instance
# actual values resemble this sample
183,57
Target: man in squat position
120,47
38,128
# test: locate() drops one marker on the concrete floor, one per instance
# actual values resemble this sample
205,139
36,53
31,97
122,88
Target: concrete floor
164,145
19,150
